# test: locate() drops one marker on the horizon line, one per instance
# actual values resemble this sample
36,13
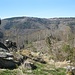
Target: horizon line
39,17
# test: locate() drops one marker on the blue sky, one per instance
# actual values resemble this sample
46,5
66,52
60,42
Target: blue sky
37,8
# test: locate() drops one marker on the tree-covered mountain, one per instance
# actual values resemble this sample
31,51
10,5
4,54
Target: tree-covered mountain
36,23
32,28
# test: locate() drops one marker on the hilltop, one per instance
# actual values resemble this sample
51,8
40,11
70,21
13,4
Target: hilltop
32,26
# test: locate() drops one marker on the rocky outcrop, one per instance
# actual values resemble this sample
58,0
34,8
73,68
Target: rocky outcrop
8,59
9,64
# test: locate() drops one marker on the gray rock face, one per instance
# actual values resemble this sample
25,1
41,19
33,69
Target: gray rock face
7,59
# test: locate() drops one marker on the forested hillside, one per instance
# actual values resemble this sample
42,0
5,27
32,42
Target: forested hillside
36,28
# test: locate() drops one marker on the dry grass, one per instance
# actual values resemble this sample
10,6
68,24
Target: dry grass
25,52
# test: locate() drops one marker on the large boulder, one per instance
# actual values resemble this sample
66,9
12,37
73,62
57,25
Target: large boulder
9,59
